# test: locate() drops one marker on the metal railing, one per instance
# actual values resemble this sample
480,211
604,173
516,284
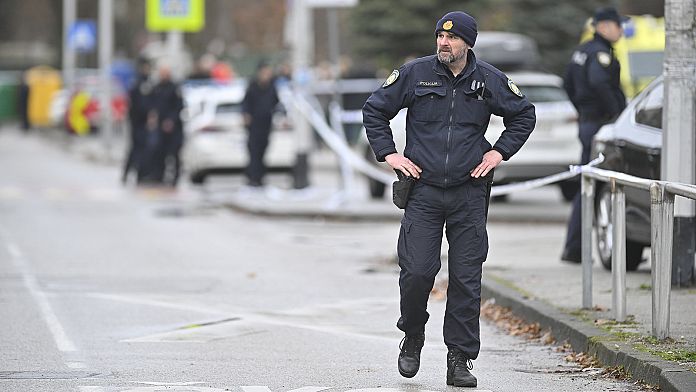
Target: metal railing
662,195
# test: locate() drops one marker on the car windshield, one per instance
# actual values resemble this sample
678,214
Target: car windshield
228,108
544,93
649,109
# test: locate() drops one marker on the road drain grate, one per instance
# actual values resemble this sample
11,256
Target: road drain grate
39,375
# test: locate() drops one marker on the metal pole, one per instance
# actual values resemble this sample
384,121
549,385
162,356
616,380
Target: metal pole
69,16
618,251
303,43
587,192
106,44
679,119
334,50
662,218
175,47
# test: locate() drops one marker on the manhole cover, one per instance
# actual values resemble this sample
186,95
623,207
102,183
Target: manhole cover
36,375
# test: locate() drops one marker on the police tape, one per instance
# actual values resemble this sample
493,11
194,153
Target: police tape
573,170
341,148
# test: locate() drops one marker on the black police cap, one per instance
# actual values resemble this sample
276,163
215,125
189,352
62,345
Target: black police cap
459,23
609,13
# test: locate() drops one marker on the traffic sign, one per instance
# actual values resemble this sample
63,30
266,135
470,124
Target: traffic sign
181,15
82,36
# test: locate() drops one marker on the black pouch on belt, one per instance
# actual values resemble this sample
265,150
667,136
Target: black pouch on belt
401,190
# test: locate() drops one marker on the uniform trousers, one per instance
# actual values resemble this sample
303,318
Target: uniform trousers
462,211
257,143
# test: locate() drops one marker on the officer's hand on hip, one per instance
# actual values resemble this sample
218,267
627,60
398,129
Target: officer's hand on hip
490,160
400,162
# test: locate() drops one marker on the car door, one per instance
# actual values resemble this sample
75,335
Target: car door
640,147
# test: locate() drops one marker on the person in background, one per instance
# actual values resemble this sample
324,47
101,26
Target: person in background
258,106
168,104
140,97
23,102
203,67
592,81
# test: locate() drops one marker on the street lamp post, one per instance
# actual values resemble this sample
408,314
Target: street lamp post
69,16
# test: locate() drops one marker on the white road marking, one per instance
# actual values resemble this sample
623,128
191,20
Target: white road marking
181,388
187,387
76,365
169,384
270,319
400,390
61,339
11,192
267,389
157,303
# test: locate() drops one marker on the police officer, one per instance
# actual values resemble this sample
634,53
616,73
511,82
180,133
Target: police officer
450,97
593,86
169,104
140,104
259,103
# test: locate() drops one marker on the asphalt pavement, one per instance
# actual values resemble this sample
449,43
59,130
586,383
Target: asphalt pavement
111,288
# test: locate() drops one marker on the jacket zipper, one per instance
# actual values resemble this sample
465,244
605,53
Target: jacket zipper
449,136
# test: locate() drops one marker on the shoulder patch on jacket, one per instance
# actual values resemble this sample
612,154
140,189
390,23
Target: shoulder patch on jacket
392,78
513,87
604,58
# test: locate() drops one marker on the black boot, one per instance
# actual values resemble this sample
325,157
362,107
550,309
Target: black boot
458,366
409,357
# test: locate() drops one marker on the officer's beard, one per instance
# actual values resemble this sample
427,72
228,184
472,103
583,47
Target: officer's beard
449,57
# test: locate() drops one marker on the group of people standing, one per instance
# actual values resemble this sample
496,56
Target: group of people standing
157,134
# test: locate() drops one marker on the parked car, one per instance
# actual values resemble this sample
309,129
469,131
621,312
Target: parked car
216,138
552,147
507,51
631,145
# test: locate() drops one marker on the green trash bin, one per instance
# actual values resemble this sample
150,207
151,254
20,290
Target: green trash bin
8,96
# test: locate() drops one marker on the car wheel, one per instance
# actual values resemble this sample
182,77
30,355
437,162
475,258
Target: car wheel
198,178
604,226
569,189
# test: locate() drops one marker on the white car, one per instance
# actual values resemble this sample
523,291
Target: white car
216,138
552,147
554,143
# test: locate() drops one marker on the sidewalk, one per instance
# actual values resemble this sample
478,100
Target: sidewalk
523,272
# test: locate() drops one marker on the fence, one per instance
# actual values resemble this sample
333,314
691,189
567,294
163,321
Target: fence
662,195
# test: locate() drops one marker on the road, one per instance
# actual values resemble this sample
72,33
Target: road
111,288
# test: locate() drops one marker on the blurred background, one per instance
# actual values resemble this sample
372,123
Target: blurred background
61,61
241,32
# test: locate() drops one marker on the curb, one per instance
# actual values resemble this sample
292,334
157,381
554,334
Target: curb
364,212
592,340
282,212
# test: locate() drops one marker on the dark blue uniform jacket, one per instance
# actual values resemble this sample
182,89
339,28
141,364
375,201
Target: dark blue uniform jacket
447,117
592,81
